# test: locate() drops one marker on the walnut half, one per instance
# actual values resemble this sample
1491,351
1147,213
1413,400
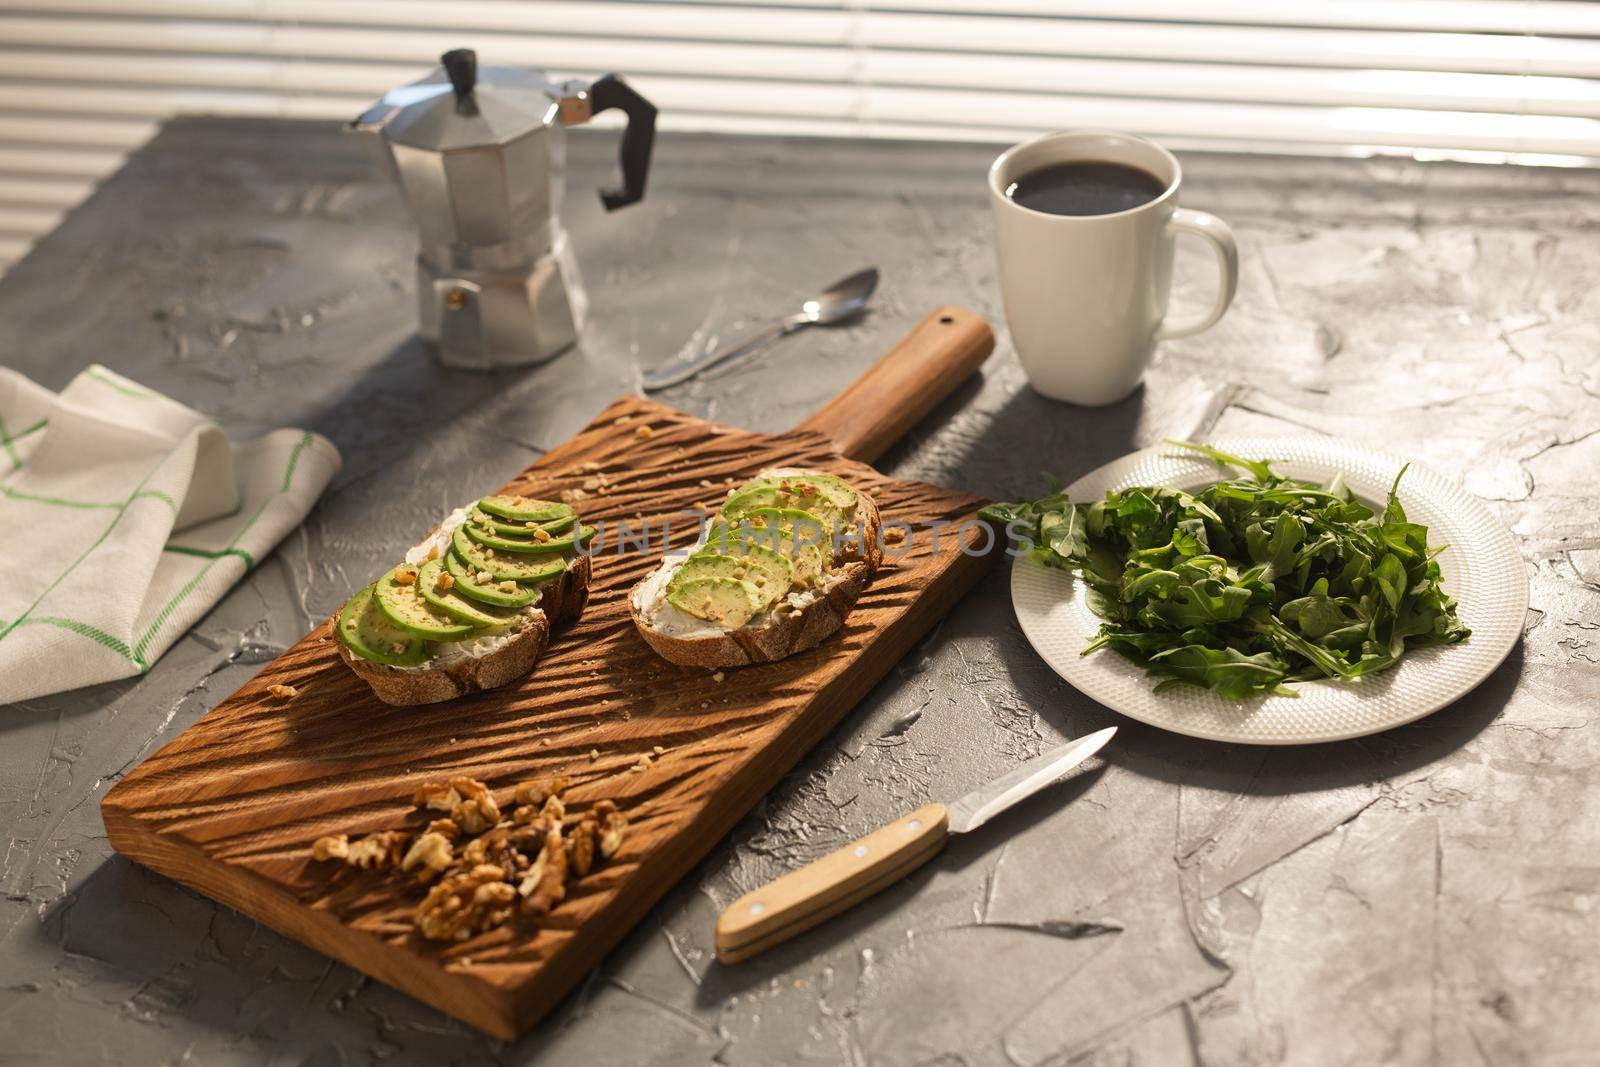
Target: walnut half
465,903
470,804
382,849
431,852
544,886
332,847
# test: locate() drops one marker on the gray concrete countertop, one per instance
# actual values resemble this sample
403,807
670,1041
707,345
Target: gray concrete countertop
1429,895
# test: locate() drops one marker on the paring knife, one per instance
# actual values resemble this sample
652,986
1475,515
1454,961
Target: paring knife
822,889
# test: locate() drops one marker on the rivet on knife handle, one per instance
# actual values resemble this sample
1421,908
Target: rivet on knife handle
823,888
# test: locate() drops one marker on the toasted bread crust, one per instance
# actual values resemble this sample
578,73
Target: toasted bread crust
786,633
561,600
777,638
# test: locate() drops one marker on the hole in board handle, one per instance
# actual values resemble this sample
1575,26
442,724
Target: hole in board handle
946,319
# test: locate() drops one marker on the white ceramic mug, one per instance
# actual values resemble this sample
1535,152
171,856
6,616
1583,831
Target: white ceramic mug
1086,295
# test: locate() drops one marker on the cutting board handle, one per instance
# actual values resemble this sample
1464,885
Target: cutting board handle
898,391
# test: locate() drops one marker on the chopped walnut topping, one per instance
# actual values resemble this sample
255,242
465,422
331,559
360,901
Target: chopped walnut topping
705,483
644,432
590,465
444,582
508,586
466,903
719,677
446,827
594,754
555,809
544,884
658,750
431,852
484,577
488,553
283,692
581,846
525,814
433,551
622,420
333,847
405,576
541,536
382,849
540,790
894,535
571,496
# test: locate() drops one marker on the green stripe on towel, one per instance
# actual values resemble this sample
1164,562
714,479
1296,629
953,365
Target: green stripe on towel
85,630
206,553
189,587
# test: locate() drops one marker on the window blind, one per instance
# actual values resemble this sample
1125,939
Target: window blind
82,82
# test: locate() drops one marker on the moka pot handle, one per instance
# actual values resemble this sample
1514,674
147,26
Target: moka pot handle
608,92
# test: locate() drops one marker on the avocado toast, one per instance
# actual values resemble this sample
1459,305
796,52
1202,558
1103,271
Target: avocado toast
774,574
473,606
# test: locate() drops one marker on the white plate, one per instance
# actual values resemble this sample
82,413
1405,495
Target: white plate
1481,567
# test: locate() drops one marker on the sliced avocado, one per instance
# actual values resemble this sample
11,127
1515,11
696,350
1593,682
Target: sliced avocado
366,632
402,605
467,585
453,604
769,572
512,566
486,521
524,545
728,602
525,508
775,529
840,494
823,495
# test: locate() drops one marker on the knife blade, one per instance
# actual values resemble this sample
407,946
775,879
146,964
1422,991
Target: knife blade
985,802
823,888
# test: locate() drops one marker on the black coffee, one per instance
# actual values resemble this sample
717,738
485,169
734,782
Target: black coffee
1085,188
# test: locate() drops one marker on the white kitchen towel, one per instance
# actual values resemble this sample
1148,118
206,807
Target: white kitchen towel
124,516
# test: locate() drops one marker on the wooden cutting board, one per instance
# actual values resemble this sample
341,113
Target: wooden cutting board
231,806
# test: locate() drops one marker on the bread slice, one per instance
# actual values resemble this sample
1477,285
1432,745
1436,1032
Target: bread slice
514,655
779,632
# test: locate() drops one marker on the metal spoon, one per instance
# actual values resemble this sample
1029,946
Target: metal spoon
834,304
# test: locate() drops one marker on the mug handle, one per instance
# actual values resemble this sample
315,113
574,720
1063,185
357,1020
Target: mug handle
1216,232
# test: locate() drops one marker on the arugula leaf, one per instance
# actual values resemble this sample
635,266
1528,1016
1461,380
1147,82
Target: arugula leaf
1253,582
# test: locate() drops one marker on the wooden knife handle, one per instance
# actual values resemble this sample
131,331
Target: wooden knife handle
895,393
825,887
